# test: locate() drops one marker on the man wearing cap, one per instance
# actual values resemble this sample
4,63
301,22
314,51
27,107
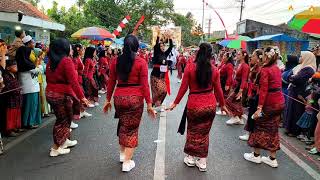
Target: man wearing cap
28,76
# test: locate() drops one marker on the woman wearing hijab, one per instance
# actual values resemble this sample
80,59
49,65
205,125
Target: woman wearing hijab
298,83
202,79
28,76
63,95
130,74
271,104
159,75
292,61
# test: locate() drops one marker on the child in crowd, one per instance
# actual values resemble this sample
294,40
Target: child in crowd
13,99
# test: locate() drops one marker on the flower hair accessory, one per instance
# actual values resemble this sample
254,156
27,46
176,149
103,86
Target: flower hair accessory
271,53
277,50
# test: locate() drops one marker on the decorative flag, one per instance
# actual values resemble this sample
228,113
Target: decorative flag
138,24
121,26
211,7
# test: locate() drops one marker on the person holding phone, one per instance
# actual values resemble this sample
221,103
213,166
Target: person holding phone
271,104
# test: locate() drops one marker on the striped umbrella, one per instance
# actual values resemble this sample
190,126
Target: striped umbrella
92,33
235,43
307,21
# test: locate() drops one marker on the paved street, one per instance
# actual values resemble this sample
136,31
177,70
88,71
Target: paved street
96,156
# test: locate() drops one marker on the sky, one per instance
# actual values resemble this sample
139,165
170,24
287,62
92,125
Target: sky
267,11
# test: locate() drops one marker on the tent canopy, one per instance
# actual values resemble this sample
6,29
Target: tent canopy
275,37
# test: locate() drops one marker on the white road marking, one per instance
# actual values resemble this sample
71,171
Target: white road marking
159,166
313,173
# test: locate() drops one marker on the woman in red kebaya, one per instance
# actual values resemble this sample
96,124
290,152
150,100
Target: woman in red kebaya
79,67
226,75
235,100
202,79
181,64
271,104
103,71
89,70
253,84
63,94
130,74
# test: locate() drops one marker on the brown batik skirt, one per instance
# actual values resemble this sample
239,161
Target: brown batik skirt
199,120
129,109
234,105
65,108
265,133
159,90
92,89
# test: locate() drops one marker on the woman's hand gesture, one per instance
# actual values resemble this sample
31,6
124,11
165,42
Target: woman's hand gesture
172,106
151,111
107,107
85,101
226,110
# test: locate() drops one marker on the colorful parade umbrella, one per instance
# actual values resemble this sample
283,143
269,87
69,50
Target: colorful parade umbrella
307,21
235,43
92,33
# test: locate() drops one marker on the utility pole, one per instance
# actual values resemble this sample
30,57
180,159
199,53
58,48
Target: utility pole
209,27
203,18
241,9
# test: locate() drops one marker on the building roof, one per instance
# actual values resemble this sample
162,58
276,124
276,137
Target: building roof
20,5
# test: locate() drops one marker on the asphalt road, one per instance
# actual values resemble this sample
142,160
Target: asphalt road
96,155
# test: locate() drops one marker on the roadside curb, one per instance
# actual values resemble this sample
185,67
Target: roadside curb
29,133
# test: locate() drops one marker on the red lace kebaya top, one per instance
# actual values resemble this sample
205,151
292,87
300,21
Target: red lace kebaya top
79,67
270,79
103,65
226,71
89,68
242,75
62,79
138,75
190,81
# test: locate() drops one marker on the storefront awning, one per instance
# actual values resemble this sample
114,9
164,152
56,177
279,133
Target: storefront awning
31,21
275,37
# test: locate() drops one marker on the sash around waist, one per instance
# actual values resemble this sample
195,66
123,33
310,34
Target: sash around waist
272,90
128,85
201,92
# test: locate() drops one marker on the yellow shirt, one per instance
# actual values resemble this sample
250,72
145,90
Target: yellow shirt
34,59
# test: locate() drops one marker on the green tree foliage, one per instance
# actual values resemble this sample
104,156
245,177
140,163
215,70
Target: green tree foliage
187,24
72,18
109,13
